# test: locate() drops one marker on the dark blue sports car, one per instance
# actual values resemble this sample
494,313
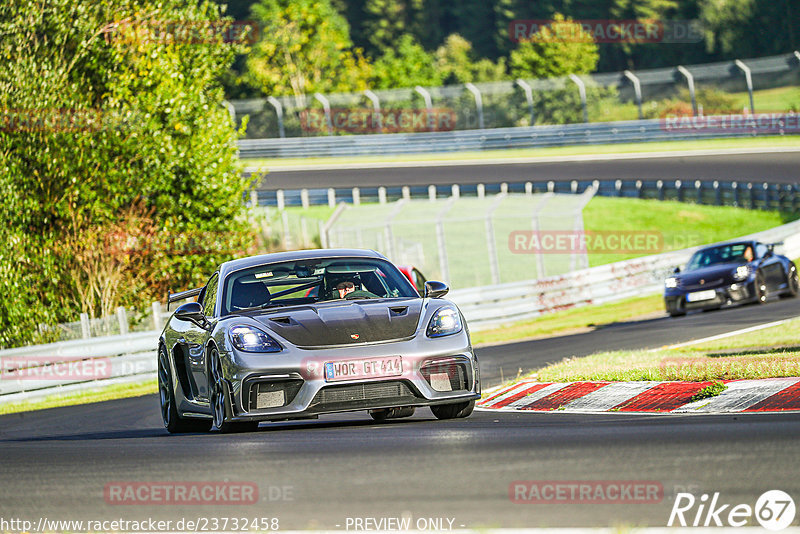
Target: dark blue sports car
740,272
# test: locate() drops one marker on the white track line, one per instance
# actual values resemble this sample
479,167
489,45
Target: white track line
727,334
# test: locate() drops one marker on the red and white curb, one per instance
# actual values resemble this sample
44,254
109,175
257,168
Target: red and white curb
766,395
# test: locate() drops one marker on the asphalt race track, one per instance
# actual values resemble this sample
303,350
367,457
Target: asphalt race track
56,463
779,167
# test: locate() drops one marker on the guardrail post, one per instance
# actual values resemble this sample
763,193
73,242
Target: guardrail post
122,317
381,195
428,104
573,186
326,106
582,92
356,196
752,202
551,186
618,187
281,199
797,55
660,188
717,194
679,190
86,331
504,187
749,79
406,192
376,108
478,102
638,188
529,188
432,193
455,191
279,112
158,320
735,187
304,198
637,90
529,97
331,197
698,187
481,191
767,196
690,81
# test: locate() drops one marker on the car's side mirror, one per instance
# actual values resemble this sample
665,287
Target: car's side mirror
677,270
191,311
435,290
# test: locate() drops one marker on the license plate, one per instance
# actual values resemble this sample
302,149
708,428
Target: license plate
360,369
701,295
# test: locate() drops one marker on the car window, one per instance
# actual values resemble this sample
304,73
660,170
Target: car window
761,250
210,296
309,281
732,253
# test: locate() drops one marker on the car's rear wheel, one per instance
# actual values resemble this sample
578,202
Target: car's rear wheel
451,411
792,283
392,413
760,287
173,422
219,398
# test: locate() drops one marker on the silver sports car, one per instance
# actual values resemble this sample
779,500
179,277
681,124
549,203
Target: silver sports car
297,334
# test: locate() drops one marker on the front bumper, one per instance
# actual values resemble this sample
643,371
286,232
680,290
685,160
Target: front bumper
736,293
291,384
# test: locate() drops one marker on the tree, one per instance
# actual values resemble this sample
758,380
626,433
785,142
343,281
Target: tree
407,65
305,47
558,51
457,63
109,105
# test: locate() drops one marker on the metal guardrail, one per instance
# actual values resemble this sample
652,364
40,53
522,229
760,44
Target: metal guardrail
504,138
131,357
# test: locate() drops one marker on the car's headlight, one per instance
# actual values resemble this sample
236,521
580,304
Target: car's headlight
671,282
446,321
741,272
251,339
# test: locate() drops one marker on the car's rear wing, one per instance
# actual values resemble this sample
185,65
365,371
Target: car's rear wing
771,246
181,295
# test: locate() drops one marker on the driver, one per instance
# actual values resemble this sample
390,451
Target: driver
345,287
748,254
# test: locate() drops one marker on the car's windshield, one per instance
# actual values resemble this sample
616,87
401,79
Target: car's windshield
309,281
731,253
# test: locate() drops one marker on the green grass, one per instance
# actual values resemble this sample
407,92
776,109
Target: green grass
680,225
768,353
621,148
117,391
577,319
777,100
712,390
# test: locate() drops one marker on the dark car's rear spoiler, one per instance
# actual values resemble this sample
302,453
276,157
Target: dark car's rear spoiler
771,246
174,297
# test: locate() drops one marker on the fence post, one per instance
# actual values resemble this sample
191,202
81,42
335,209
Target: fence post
638,188
637,90
679,190
356,196
406,192
432,193
253,198
618,187
735,187
504,187
551,186
698,187
481,191
455,191
428,104
281,199
573,186
750,194
381,195
528,188
326,106
689,80
660,187
749,79
478,102
717,194
158,322
86,332
279,112
331,197
304,198
122,317
582,92
376,108
529,97
287,237
491,242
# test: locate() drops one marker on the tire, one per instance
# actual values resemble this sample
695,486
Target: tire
792,283
219,399
452,411
392,413
173,422
679,310
760,289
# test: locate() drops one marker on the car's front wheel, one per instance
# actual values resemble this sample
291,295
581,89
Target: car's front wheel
219,398
173,422
451,411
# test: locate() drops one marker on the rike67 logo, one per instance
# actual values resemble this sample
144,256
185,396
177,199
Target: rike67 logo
774,510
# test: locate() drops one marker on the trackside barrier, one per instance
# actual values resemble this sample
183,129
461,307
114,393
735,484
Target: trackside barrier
132,357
